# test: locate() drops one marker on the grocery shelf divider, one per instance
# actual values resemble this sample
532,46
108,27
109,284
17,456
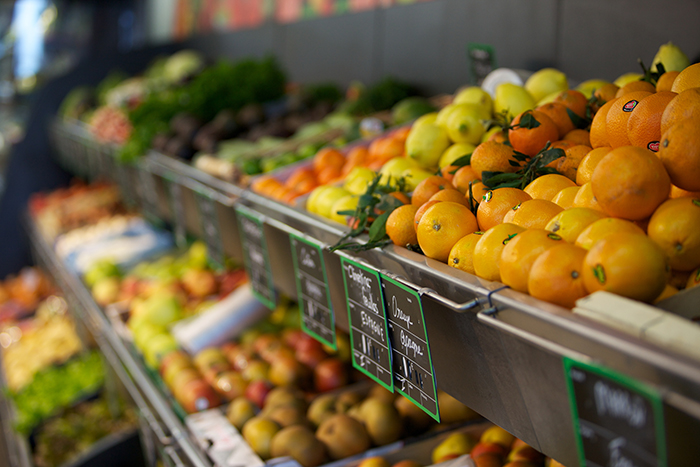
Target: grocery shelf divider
111,344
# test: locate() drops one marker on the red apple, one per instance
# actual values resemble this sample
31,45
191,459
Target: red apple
230,385
230,281
197,395
257,391
488,460
212,371
490,448
310,352
330,374
526,453
292,337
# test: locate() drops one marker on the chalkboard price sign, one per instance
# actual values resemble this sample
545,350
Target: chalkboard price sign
414,376
317,317
211,232
369,332
482,61
255,254
618,420
177,208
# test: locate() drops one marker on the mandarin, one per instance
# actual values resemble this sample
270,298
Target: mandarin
599,130
427,188
575,100
357,157
602,228
421,210
586,199
618,115
635,86
399,225
558,113
568,166
556,275
627,264
532,214
680,153
462,254
644,124
521,252
547,186
565,198
569,224
688,78
588,164
450,194
462,177
579,136
328,157
490,156
675,227
496,203
665,81
442,226
487,252
530,139
630,182
682,106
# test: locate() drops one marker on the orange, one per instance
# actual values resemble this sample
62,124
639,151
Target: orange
462,254
627,264
618,115
495,204
562,144
669,291
386,148
487,253
521,252
585,198
329,174
665,81
306,185
450,194
570,223
684,105
635,86
531,140
579,136
532,214
557,112
328,157
644,124
604,227
686,79
490,156
675,227
427,188
421,210
565,198
568,166
357,157
403,197
606,93
588,164
399,225
264,184
298,176
576,101
499,137
556,275
448,173
630,182
680,193
599,130
693,279
478,191
680,153
462,177
442,226
547,186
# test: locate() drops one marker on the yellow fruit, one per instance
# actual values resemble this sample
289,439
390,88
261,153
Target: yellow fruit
327,200
627,78
462,253
487,252
601,228
590,86
521,252
394,169
547,186
346,203
675,227
426,143
545,82
464,124
414,176
442,226
357,180
687,79
672,58
565,198
570,223
454,152
512,99
427,118
455,445
532,214
476,95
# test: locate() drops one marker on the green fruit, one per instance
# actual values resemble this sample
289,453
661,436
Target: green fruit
426,143
410,109
671,56
546,81
100,270
162,309
158,347
198,256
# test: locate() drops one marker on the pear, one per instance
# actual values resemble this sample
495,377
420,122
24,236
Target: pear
672,58
321,409
300,443
455,445
343,436
382,421
545,82
258,433
240,411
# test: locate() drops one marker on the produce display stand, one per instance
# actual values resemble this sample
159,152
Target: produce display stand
499,351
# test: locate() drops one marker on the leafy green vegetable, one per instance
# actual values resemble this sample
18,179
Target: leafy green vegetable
382,96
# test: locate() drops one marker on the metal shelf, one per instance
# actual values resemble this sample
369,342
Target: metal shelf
497,350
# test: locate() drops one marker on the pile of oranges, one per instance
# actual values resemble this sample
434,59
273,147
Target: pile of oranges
331,165
622,215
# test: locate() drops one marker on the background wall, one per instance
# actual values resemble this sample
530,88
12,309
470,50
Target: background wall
425,43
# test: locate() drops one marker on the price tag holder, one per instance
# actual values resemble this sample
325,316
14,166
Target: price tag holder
211,232
177,208
369,332
317,318
255,255
149,196
618,420
482,61
414,376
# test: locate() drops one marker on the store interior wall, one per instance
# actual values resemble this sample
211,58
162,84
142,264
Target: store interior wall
425,43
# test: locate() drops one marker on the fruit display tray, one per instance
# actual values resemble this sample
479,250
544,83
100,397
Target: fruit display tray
499,351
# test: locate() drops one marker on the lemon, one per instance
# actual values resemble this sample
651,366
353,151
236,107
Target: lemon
346,203
512,98
672,58
427,118
491,132
587,88
627,78
313,197
548,98
414,176
426,143
395,167
454,152
357,180
464,124
546,81
443,114
330,196
476,95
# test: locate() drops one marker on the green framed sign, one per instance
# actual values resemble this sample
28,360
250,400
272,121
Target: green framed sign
317,318
256,255
617,419
369,331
